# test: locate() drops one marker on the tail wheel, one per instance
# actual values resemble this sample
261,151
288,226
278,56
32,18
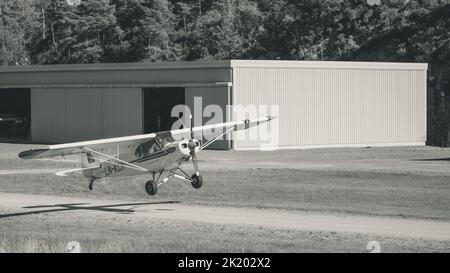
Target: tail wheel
197,181
151,187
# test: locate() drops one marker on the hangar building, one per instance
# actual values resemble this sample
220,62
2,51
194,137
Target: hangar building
321,104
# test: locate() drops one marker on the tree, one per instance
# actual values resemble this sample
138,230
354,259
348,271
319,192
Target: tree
149,29
98,38
228,30
83,33
292,30
17,21
53,43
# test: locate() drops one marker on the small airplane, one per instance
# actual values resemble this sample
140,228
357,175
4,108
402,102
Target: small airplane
158,154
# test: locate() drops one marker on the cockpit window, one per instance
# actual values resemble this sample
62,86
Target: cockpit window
164,138
138,152
150,147
146,148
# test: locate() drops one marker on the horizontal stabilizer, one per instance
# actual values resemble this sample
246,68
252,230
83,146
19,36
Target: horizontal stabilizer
65,173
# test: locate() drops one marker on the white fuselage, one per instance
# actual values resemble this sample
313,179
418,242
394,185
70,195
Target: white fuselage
168,158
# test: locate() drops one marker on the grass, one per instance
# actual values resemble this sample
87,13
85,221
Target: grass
110,233
400,186
371,193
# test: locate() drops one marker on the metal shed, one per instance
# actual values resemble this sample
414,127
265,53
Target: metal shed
337,104
321,104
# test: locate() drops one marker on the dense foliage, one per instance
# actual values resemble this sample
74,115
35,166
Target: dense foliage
90,31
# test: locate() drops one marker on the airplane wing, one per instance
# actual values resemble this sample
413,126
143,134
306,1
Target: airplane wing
81,147
218,128
97,146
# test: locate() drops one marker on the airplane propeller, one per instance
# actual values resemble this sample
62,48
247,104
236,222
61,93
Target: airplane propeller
192,146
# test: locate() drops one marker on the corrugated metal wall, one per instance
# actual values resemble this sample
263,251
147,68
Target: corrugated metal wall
75,114
322,107
122,111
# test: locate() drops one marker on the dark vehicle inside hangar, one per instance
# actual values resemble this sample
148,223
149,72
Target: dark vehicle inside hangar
15,115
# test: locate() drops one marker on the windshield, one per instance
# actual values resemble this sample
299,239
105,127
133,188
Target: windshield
164,138
146,148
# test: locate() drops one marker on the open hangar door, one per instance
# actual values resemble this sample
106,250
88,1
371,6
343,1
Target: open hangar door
15,114
158,105
212,98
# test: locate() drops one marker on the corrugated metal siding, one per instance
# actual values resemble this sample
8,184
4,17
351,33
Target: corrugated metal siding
122,111
75,114
83,114
48,115
336,107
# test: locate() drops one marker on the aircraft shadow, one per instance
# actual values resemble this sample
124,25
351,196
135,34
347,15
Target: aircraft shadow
81,206
432,159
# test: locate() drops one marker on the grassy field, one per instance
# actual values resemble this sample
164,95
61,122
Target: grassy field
380,181
109,233
406,182
368,193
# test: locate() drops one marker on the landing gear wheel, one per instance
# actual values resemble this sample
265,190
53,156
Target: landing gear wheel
197,181
151,187
91,183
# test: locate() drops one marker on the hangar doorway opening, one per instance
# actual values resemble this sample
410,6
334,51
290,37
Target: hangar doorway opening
15,115
158,104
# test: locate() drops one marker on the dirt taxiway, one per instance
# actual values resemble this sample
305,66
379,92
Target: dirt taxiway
14,204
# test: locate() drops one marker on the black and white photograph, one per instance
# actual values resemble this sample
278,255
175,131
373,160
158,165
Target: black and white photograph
224,126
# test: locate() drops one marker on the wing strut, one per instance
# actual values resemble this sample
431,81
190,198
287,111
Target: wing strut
214,139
